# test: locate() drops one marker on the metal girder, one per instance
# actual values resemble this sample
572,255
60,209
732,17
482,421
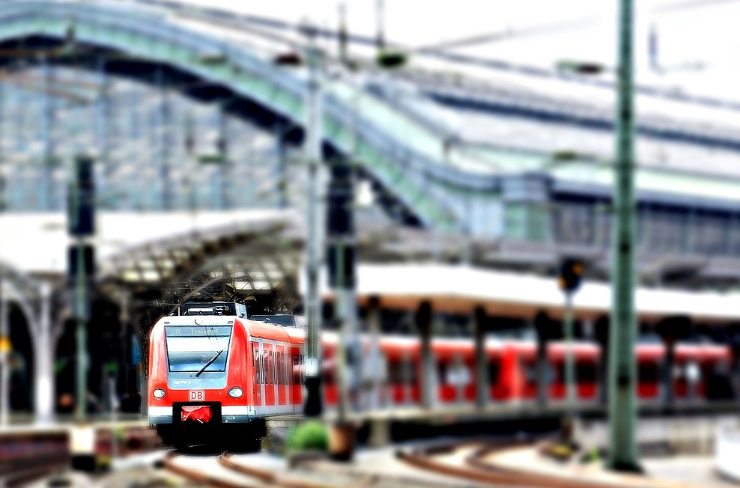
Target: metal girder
158,39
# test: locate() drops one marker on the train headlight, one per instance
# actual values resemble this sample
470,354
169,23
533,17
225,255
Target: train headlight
236,392
158,393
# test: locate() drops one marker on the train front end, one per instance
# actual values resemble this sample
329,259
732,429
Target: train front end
198,377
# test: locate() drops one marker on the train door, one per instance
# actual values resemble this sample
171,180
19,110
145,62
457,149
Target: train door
297,377
268,354
282,375
258,383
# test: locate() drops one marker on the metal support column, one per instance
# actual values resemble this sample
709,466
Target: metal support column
482,390
80,301
44,361
224,167
46,188
570,371
315,228
622,452
4,355
104,116
281,176
341,267
423,321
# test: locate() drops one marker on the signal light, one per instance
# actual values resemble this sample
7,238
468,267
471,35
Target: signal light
158,393
571,272
81,198
236,392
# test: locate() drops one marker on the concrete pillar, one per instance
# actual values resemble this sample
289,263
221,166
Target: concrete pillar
482,389
423,321
43,361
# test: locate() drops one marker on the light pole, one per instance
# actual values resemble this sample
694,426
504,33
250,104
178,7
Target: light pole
81,259
4,355
315,225
622,453
569,279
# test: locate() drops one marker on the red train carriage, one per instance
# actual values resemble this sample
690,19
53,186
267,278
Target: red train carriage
211,368
213,371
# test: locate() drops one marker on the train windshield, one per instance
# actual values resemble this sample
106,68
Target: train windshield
200,349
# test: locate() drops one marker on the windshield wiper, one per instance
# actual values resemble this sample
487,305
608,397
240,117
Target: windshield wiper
210,361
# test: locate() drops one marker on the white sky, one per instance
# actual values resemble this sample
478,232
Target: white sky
691,33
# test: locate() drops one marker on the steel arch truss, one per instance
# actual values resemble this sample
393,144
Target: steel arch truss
416,180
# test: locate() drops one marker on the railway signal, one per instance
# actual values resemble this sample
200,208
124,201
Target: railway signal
5,349
569,280
341,267
571,273
313,153
81,263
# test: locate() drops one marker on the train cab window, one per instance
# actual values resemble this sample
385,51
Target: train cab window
197,349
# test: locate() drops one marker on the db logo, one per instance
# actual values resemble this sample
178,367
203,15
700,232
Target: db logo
196,395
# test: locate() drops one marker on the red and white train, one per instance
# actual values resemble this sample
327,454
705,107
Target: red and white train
213,372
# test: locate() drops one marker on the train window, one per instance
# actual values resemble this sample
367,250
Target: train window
395,374
494,369
256,363
271,367
283,366
262,367
276,365
442,373
297,370
586,372
648,372
412,372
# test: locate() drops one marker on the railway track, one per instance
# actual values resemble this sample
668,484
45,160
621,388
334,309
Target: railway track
231,471
470,464
519,466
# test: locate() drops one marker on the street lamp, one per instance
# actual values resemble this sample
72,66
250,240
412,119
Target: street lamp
314,218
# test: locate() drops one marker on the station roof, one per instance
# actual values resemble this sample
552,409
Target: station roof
460,288
37,243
